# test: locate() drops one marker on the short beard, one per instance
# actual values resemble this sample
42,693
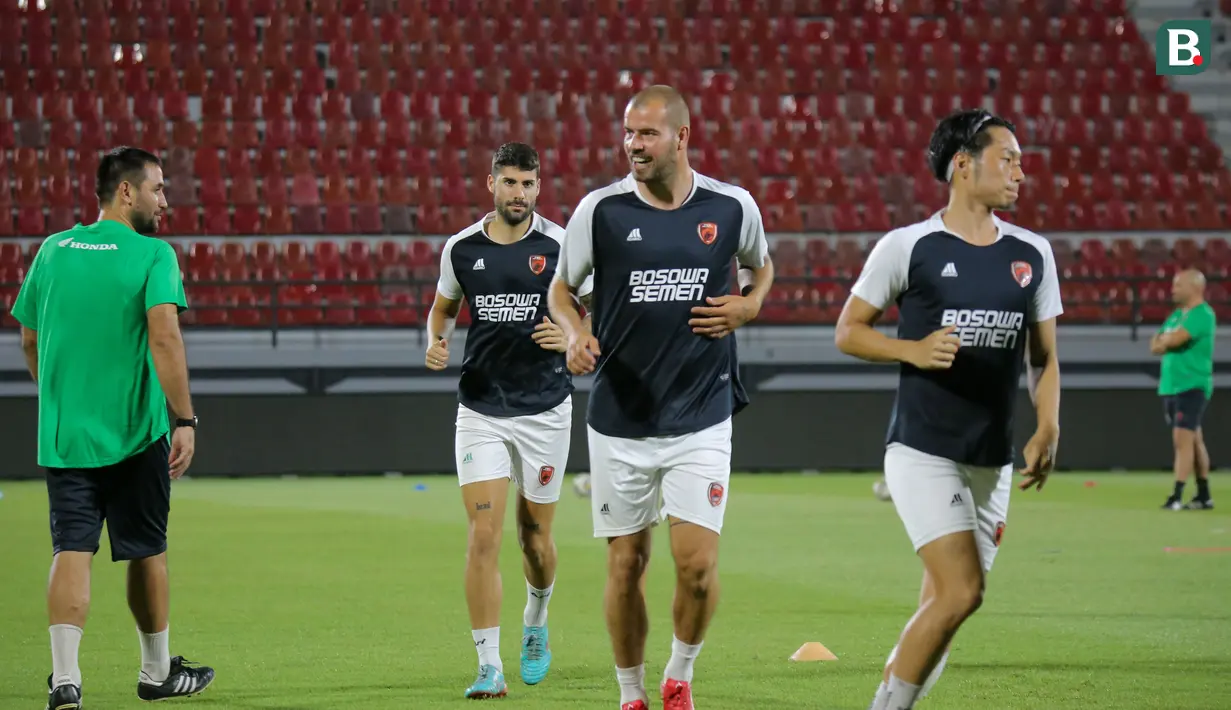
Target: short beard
143,223
512,219
663,172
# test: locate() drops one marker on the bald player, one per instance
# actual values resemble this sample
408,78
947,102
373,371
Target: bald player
660,245
1186,383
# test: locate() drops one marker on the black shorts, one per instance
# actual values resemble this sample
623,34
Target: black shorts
132,496
1185,409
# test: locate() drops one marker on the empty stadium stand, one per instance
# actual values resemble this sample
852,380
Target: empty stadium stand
330,143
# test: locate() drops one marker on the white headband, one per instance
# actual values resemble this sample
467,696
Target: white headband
975,132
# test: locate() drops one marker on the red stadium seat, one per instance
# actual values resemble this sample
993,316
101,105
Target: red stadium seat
389,111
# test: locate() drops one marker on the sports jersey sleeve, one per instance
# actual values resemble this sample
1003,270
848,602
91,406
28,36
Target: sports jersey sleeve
164,283
447,285
753,246
25,308
1199,323
1046,303
884,274
587,287
577,252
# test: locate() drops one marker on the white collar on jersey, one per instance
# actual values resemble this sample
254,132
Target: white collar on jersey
536,224
632,185
940,225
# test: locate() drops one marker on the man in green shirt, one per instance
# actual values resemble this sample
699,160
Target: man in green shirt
100,329
1186,344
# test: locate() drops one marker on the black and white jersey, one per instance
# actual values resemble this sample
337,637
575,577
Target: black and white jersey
651,267
991,294
504,372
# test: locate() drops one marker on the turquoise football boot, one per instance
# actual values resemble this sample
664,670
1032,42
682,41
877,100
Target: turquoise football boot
489,684
535,654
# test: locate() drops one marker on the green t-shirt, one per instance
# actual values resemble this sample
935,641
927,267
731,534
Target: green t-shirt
86,296
1191,367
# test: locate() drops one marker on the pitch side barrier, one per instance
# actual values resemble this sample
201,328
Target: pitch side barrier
359,402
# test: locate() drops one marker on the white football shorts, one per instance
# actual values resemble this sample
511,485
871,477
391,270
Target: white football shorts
936,497
636,483
532,449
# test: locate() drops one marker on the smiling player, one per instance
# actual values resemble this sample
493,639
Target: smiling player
660,244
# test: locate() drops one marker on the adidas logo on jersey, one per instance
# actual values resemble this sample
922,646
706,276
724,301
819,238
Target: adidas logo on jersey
478,265
949,271
505,307
635,235
979,328
658,285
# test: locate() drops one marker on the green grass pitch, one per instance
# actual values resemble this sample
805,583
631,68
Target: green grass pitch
347,593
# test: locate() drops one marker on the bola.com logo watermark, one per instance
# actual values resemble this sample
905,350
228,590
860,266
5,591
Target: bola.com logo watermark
1182,47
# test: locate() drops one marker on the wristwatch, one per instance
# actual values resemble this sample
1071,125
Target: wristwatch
186,422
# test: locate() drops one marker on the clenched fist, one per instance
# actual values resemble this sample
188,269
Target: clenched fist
583,353
437,355
937,351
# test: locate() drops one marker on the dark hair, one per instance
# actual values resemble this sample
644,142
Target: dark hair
961,132
122,164
515,155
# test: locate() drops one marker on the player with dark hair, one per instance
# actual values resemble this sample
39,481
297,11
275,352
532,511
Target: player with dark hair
515,411
660,244
1185,342
100,322
977,297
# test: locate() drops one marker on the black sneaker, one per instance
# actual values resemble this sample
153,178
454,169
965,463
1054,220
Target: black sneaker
181,682
65,697
1173,503
1200,504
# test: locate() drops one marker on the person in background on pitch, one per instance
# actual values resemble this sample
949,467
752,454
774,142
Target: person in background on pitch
659,245
977,297
1186,383
515,411
100,305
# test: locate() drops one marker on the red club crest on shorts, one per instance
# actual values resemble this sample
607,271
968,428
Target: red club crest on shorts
708,231
538,262
999,533
1022,273
545,474
716,492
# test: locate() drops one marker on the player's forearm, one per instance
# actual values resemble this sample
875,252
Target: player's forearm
760,279
171,365
31,354
1043,381
563,309
440,324
867,343
1171,342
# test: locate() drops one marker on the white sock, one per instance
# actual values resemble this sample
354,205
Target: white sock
536,605
632,684
683,655
65,640
882,695
901,695
155,656
934,676
487,643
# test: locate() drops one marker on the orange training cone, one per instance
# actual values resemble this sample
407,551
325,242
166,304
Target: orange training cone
813,651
